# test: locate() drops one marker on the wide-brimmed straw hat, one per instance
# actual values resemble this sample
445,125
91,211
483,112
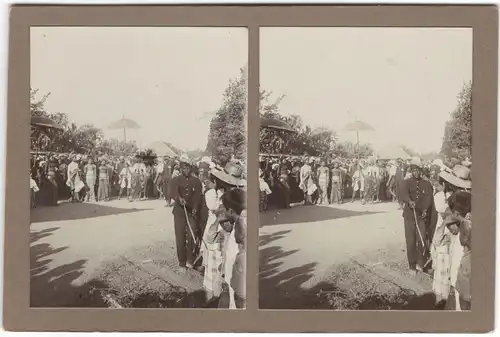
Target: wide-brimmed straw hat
459,176
232,174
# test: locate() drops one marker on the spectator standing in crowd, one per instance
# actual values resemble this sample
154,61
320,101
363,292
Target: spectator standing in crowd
306,181
323,174
90,179
103,189
337,185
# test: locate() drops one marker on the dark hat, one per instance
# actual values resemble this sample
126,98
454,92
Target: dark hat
461,202
234,199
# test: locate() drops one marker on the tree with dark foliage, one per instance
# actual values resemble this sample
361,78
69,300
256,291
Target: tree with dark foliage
457,140
304,139
227,136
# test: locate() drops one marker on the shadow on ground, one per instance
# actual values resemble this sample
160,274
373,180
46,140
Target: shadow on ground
265,239
53,287
301,214
74,211
284,289
280,289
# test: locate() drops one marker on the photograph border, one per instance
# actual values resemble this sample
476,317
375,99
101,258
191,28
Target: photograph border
483,19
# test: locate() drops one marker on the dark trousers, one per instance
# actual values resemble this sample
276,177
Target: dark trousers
166,191
123,191
52,193
148,189
414,249
183,238
285,190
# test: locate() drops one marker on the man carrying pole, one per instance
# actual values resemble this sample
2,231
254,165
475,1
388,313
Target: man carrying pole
186,190
417,198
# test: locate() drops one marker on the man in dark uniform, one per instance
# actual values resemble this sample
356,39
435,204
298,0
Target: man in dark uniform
186,191
417,199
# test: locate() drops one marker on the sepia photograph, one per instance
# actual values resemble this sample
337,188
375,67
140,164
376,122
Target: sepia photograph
365,168
138,167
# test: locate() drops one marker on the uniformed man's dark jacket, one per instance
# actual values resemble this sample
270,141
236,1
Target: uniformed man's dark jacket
420,191
188,188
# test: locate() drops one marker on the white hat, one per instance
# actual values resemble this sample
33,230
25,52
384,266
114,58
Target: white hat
206,160
439,162
415,161
184,158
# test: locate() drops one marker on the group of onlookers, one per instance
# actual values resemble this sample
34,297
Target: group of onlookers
84,178
319,181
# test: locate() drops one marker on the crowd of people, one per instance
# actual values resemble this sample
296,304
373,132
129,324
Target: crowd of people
435,200
208,203
310,180
85,178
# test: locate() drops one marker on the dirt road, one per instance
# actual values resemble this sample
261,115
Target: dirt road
80,250
348,256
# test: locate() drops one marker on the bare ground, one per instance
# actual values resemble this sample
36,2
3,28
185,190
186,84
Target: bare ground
348,257
108,254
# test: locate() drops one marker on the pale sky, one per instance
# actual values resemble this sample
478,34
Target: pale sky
404,82
165,78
